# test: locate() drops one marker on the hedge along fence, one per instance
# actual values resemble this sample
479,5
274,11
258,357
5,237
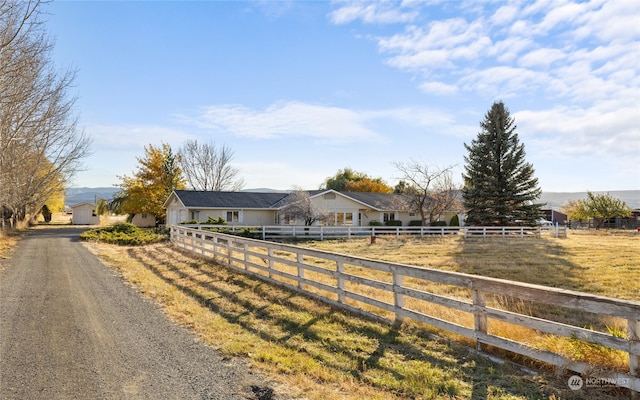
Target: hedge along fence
474,307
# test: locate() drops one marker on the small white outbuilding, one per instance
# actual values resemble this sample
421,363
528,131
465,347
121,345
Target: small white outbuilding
84,214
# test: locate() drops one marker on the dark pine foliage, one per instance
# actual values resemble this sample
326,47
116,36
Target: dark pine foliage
499,186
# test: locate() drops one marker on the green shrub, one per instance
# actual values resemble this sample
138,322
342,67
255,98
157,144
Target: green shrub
215,221
415,222
455,221
393,223
375,223
189,222
123,227
125,234
438,223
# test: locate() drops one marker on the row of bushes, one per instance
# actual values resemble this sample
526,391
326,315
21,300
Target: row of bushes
126,234
209,221
416,222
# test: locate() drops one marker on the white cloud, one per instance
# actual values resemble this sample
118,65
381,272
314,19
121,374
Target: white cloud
134,137
372,13
438,88
560,13
504,82
439,46
570,52
504,15
599,132
613,21
290,119
509,49
541,58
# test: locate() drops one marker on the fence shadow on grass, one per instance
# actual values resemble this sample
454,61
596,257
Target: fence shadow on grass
540,261
346,344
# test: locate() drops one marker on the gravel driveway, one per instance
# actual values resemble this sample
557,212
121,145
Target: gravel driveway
71,329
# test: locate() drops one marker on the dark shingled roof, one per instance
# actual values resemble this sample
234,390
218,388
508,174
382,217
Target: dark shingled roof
274,200
209,199
382,201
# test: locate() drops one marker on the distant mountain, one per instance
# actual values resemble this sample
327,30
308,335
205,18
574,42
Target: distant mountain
264,190
555,200
88,195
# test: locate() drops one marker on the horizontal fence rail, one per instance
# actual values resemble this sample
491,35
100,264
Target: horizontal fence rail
279,232
468,305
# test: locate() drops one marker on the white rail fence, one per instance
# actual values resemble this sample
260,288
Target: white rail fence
279,232
472,306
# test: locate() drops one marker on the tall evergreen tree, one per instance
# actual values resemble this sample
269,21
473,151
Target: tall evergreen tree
499,186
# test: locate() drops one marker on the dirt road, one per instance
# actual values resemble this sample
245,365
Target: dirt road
71,329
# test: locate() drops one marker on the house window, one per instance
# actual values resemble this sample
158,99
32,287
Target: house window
348,219
386,217
144,215
290,218
233,216
195,215
285,218
340,219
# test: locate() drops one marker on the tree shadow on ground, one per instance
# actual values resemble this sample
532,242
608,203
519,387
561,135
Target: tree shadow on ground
540,261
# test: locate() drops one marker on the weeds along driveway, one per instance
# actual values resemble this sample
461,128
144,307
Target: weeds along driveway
70,328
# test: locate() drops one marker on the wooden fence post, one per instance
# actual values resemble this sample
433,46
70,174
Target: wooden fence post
398,298
633,334
271,263
246,256
300,271
340,270
479,315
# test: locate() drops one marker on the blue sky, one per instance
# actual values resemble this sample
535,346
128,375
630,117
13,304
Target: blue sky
301,89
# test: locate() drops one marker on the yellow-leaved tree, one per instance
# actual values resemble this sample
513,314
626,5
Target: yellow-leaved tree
349,180
157,176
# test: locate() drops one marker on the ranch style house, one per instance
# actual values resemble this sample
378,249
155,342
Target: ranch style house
270,208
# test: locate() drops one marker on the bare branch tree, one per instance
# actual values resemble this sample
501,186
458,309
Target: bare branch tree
432,189
40,146
207,167
298,204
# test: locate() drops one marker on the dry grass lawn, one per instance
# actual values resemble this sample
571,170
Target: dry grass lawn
606,263
322,353
602,263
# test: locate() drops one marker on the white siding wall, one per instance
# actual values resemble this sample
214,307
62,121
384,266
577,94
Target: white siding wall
345,211
83,215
